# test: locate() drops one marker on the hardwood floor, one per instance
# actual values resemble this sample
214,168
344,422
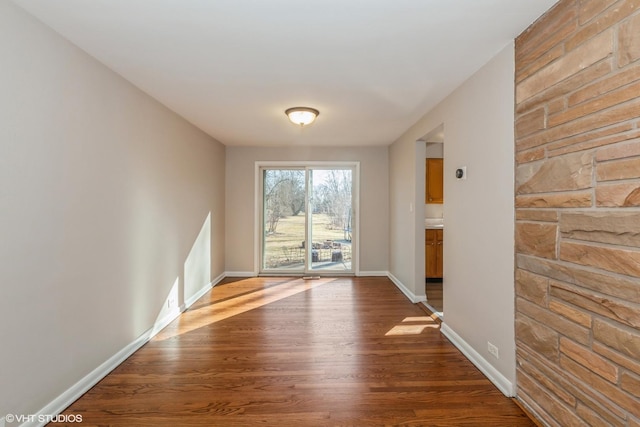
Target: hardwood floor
288,352
433,290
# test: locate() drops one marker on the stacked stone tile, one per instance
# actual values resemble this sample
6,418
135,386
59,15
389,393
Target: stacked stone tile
578,214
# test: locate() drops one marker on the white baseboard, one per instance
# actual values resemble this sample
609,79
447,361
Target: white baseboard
408,293
432,309
73,393
358,274
240,274
504,385
372,274
195,297
162,323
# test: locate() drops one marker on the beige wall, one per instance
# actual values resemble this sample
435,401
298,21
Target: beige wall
240,200
103,193
478,212
577,199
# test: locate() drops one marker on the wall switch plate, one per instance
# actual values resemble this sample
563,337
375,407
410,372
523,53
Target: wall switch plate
2,422
493,350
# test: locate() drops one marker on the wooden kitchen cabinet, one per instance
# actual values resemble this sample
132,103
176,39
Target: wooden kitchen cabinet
433,253
434,192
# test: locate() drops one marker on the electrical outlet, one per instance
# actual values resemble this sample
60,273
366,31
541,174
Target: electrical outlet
493,350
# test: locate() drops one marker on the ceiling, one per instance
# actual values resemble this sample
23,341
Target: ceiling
231,67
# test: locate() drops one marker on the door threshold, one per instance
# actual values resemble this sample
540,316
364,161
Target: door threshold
307,276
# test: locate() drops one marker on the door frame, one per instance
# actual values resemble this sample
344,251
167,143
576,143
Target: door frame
257,215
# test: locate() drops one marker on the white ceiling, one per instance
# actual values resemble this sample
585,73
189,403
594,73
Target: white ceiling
231,67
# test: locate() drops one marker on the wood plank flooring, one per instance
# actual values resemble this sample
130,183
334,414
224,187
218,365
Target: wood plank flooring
433,291
288,352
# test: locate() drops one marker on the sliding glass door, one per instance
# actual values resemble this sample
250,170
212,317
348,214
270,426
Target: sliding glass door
283,219
307,219
330,219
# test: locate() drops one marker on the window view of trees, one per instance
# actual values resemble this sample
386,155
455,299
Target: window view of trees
284,193
332,196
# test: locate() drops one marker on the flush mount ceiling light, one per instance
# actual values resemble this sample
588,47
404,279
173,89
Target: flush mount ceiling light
302,115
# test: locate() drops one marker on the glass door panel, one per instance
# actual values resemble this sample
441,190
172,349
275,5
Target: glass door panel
284,223
330,219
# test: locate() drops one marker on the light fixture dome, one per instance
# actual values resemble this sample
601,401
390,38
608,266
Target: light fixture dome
302,115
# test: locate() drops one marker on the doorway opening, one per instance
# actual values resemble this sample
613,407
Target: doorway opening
307,219
434,220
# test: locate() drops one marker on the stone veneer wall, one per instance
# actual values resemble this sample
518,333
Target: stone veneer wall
578,214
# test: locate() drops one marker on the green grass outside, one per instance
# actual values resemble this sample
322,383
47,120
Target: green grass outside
282,248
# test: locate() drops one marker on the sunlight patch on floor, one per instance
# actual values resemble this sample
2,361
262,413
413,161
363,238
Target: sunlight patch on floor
413,326
215,312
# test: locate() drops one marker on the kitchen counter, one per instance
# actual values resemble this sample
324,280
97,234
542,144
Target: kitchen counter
434,223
